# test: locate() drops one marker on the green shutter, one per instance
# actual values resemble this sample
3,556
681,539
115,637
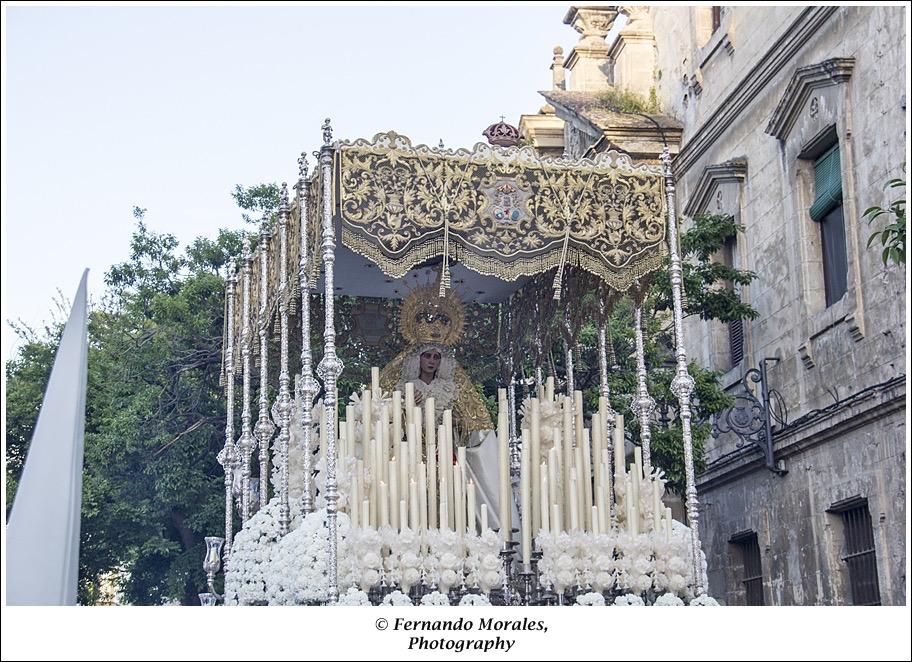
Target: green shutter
827,184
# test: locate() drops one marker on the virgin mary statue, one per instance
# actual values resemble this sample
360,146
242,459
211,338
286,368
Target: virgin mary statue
432,326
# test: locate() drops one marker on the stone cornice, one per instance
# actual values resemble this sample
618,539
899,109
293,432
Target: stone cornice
793,39
807,79
730,171
875,404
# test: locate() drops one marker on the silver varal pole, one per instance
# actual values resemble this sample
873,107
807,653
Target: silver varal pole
265,428
568,359
307,383
284,396
330,365
227,457
608,423
246,441
643,404
683,384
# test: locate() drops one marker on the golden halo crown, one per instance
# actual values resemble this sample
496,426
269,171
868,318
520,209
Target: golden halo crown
426,317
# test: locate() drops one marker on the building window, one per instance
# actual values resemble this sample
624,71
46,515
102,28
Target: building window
736,327
716,13
748,551
860,557
827,212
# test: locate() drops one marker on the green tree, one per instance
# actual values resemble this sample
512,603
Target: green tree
893,236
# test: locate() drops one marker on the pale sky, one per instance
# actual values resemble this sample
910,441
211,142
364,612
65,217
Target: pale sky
168,108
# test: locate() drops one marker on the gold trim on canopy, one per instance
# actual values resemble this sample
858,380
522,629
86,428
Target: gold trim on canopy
500,212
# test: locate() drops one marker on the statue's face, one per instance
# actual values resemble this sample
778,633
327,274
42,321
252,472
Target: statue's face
430,361
432,325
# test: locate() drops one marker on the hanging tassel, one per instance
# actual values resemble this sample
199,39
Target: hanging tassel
559,276
445,275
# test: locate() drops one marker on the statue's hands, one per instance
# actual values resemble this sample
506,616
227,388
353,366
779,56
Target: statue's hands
419,397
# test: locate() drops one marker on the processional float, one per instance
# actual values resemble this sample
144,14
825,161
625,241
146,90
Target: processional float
509,225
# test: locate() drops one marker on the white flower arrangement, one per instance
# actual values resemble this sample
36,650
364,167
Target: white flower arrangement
668,600
353,597
483,566
590,600
704,601
298,571
444,559
629,600
435,599
251,552
473,600
397,599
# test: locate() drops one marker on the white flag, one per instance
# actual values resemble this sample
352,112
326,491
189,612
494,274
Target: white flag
42,561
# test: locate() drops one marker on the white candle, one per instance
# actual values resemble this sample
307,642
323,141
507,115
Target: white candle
578,416
668,525
595,521
525,490
470,506
587,478
410,402
553,485
549,389
375,382
619,451
556,518
404,470
484,517
384,452
350,430
403,514
448,432
430,421
444,518
375,484
503,446
384,505
422,497
419,447
580,491
535,431
394,493
412,449
603,511
397,417
365,513
431,481
458,501
574,503
367,428
596,455
359,473
445,470
413,505
638,462
567,447
545,504
384,433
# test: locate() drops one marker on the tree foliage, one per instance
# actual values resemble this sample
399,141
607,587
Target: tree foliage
893,236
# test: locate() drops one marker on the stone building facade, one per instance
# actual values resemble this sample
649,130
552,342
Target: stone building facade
790,119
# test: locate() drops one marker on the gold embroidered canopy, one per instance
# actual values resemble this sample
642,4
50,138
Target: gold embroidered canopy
499,212
505,213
